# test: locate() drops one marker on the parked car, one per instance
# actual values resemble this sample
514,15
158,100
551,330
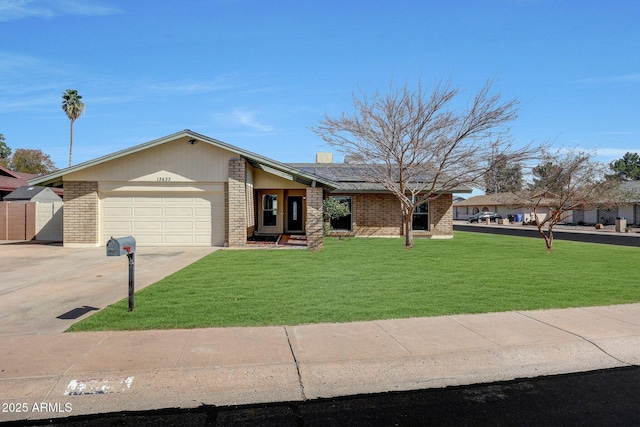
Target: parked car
483,216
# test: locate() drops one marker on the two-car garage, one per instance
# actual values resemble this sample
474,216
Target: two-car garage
170,219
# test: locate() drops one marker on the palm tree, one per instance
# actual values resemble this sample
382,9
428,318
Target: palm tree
73,107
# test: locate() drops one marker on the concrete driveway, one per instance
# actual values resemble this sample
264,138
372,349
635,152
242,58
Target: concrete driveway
39,283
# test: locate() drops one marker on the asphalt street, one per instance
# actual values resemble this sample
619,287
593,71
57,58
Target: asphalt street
620,239
598,398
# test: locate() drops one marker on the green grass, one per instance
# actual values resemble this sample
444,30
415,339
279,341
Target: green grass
366,279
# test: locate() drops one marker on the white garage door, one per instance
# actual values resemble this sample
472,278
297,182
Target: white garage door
183,219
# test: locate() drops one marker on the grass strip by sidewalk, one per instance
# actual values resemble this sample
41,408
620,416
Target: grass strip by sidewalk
366,279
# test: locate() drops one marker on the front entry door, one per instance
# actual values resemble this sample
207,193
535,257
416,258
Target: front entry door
294,214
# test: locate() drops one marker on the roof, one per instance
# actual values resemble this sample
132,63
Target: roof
497,199
631,186
501,199
630,191
10,180
357,177
256,160
27,192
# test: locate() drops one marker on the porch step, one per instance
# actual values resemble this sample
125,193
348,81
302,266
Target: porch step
292,240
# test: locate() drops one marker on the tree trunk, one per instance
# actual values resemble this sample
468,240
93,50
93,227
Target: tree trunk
548,238
70,141
408,230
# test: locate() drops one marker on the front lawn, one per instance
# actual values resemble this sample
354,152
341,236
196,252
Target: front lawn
365,279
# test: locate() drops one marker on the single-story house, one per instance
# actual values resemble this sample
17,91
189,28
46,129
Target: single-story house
187,189
504,204
629,209
507,204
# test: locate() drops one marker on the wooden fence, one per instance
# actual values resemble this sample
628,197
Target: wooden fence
30,221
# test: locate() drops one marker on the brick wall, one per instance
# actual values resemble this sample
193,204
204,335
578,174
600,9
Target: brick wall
236,203
373,215
81,213
313,224
441,215
376,215
381,215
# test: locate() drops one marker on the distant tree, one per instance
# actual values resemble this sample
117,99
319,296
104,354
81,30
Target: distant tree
501,177
31,161
73,108
5,152
627,168
548,176
418,147
567,180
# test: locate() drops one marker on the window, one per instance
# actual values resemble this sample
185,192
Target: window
269,210
344,223
421,217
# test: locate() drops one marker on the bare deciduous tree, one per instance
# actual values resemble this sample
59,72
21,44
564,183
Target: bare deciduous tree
418,147
572,180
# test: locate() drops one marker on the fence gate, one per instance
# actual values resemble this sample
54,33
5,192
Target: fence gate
17,220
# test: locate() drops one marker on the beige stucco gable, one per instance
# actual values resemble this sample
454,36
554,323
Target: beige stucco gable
175,161
266,180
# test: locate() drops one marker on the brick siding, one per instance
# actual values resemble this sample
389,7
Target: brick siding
236,203
81,213
381,215
441,216
313,225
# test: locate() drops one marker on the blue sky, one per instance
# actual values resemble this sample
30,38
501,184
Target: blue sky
259,73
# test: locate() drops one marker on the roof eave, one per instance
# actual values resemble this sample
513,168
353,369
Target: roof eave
56,178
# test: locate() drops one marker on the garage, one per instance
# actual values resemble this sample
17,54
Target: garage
180,219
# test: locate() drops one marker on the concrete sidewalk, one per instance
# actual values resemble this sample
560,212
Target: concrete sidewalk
66,374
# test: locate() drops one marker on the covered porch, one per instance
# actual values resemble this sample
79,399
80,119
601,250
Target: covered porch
266,204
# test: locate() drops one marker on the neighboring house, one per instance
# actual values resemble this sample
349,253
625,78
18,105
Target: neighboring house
187,189
31,213
629,210
10,180
505,204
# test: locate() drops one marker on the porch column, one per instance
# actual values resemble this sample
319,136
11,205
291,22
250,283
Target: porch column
441,216
313,227
237,203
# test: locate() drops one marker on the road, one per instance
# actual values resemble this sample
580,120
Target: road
606,397
622,239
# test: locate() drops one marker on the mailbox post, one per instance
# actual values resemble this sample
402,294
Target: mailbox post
125,246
